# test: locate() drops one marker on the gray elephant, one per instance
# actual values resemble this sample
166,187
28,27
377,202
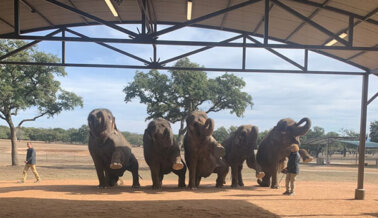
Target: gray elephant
202,152
110,151
239,147
161,153
275,148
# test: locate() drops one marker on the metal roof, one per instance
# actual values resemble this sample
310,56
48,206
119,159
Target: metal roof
303,23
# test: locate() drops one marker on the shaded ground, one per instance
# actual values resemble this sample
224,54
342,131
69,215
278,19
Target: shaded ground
68,189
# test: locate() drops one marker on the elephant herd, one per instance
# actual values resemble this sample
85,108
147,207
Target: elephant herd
112,156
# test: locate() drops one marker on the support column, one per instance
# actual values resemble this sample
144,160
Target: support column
360,192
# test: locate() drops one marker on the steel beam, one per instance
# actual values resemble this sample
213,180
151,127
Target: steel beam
309,21
262,20
337,10
225,14
372,98
27,45
198,50
110,47
350,31
360,192
358,54
315,12
189,43
306,60
244,51
350,73
202,18
266,22
82,17
6,22
278,54
82,13
63,47
16,17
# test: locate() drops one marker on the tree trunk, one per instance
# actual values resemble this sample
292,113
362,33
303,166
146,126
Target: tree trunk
13,131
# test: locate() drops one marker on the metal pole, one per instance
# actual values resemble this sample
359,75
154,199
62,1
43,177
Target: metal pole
244,51
63,47
266,22
360,192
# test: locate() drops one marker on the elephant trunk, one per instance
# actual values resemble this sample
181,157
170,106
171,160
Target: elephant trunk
208,128
298,131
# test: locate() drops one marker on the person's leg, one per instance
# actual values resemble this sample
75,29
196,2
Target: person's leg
292,182
287,184
25,172
34,170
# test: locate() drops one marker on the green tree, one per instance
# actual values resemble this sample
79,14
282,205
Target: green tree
220,134
176,95
374,131
80,135
34,86
308,140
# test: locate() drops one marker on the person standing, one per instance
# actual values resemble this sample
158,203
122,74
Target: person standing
31,160
292,169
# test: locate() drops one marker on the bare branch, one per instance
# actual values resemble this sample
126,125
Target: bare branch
2,117
32,119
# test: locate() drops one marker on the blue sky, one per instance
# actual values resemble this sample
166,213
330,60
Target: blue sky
330,101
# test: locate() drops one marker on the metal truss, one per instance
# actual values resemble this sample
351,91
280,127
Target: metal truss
150,35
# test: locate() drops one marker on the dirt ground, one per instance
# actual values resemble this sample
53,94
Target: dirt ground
68,189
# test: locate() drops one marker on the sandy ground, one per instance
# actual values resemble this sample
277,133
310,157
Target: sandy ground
68,189
80,198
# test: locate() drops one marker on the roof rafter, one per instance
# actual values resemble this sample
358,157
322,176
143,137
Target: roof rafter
315,12
106,23
205,17
34,10
309,21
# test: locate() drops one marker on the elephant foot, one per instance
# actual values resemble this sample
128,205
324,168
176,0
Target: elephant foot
156,187
275,187
234,185
135,185
308,159
219,185
182,186
192,188
178,166
262,184
100,187
115,166
241,184
260,175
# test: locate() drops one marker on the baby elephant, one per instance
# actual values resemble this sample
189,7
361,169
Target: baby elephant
161,153
239,147
110,151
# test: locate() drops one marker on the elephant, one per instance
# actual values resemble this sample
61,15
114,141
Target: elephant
110,151
239,147
161,153
275,148
202,152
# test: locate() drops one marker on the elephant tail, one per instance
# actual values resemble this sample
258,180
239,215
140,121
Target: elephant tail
140,177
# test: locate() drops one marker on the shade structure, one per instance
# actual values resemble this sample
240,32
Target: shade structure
296,22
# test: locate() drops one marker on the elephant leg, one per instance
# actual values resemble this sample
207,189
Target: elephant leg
155,176
234,175
113,179
107,177
240,179
305,156
134,170
274,184
198,180
192,174
181,176
161,177
116,162
265,182
100,173
221,171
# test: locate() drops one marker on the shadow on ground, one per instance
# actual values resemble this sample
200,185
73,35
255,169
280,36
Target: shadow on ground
166,209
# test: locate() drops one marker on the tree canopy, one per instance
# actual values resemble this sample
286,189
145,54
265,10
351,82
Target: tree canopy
25,87
176,94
